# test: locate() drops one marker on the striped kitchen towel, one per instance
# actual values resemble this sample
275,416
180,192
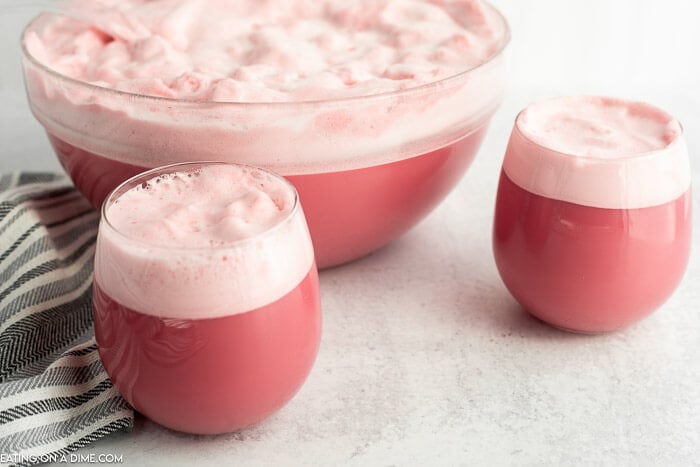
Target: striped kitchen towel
55,396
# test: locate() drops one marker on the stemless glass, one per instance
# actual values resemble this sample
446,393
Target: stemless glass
592,244
211,339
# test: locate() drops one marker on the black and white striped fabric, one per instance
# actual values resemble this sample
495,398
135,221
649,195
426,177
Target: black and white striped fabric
55,396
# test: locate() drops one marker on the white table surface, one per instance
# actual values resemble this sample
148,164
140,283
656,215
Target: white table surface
426,358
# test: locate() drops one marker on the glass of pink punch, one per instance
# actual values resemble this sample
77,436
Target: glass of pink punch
592,228
206,302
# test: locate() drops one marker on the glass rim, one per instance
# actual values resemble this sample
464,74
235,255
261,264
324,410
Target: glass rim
597,159
503,42
150,174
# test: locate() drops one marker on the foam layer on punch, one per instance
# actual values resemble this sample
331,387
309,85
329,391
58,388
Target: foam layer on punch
205,242
277,52
252,51
599,151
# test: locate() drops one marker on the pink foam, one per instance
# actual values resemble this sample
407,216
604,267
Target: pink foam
223,55
204,243
599,152
211,207
246,50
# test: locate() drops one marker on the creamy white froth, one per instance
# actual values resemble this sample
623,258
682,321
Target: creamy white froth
599,151
203,243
